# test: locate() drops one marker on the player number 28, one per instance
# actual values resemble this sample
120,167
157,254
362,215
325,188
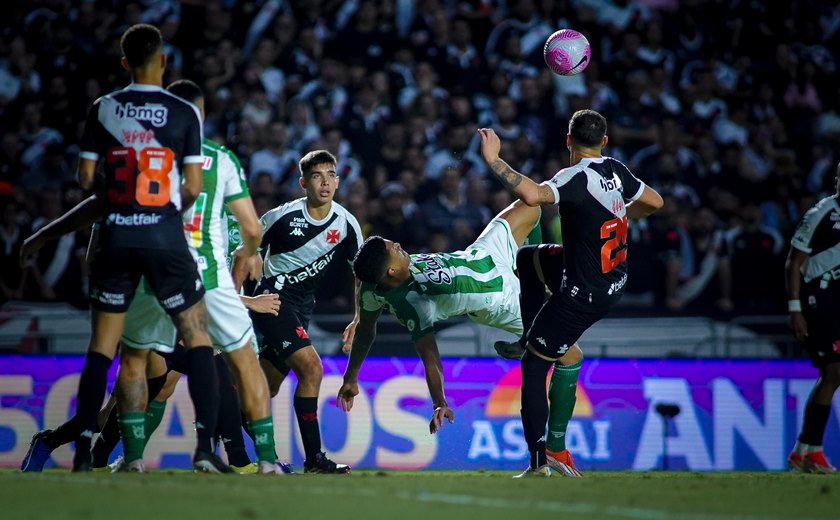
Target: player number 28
614,250
144,176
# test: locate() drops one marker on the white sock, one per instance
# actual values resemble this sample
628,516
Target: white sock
800,448
812,449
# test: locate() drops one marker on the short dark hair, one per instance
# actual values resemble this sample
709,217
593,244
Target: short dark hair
371,260
587,128
139,43
315,157
186,89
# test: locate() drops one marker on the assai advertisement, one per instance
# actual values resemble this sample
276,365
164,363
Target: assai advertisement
734,414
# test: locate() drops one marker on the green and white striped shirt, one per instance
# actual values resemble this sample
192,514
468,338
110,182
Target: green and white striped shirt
441,285
204,224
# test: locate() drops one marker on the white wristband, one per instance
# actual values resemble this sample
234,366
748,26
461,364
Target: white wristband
794,306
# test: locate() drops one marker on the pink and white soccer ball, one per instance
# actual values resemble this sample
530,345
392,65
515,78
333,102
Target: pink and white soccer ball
567,52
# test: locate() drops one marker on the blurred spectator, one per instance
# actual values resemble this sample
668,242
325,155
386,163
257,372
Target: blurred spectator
706,278
13,279
756,261
276,158
56,271
397,221
34,137
455,154
451,210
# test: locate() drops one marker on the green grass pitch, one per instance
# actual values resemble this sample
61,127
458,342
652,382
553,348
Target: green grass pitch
483,495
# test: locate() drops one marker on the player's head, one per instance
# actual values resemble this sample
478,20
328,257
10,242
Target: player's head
142,48
318,176
587,129
188,91
382,262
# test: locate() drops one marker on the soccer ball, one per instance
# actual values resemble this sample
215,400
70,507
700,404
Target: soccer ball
567,52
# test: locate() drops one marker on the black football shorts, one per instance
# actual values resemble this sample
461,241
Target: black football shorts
281,335
821,310
171,273
564,318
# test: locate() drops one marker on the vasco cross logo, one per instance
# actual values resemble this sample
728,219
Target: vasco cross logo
333,236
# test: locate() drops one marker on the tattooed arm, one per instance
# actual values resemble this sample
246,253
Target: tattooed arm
525,189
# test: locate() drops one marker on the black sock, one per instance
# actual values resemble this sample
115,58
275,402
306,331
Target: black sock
534,406
64,434
229,426
92,385
203,385
813,424
109,436
155,385
306,410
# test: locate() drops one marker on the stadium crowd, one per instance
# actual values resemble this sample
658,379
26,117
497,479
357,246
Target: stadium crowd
729,108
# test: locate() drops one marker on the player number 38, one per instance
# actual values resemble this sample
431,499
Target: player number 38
142,177
614,250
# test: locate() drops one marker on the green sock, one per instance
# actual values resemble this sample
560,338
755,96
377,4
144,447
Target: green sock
561,396
133,431
154,415
262,431
535,236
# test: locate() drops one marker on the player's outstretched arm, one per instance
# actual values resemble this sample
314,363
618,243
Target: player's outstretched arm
525,189
430,355
363,339
83,214
649,202
350,330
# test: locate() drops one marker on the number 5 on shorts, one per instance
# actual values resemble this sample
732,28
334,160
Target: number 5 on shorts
150,186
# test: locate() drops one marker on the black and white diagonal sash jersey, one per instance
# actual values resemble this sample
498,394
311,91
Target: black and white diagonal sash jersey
144,136
297,249
591,196
818,235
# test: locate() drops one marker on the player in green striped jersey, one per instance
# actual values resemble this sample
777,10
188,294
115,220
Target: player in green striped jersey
420,290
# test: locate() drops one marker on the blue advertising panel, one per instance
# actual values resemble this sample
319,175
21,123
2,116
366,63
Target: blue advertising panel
735,414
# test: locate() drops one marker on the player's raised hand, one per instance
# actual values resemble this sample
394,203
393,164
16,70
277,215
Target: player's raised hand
441,412
30,248
490,144
346,393
348,335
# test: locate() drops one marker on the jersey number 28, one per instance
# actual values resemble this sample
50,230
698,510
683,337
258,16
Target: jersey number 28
142,177
614,250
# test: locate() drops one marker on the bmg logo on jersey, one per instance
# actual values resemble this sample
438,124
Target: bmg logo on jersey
152,112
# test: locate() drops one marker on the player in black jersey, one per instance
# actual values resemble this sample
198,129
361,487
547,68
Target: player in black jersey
813,271
300,240
147,139
596,195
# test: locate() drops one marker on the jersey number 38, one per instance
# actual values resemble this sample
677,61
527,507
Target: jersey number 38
142,177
